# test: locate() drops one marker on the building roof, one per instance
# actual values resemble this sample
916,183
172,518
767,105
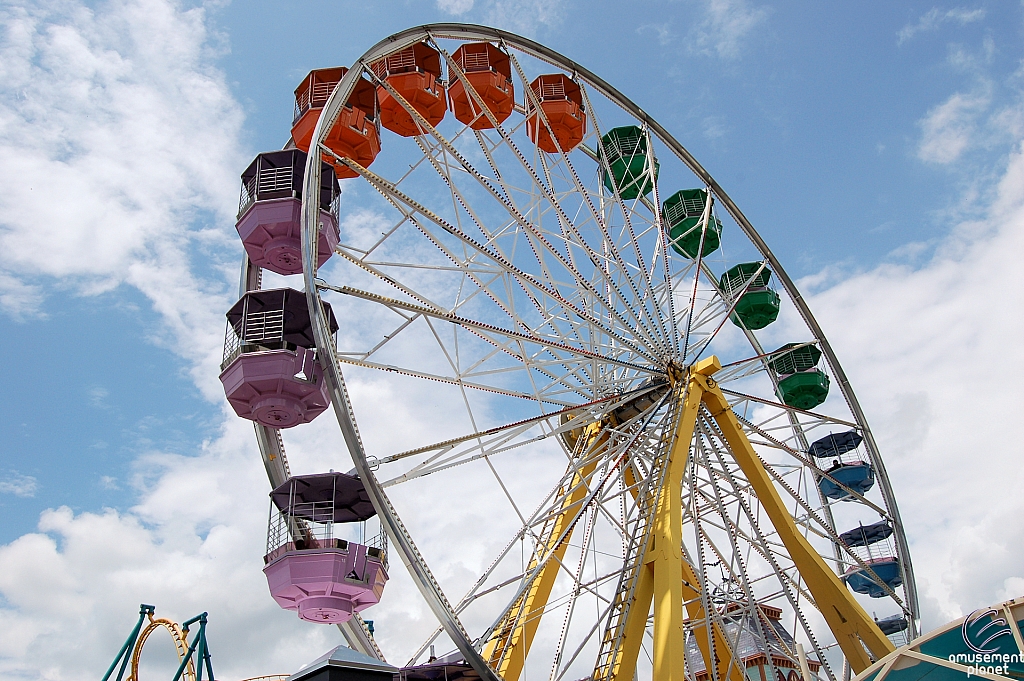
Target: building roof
344,657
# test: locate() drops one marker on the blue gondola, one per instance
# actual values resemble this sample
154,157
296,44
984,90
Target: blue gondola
831,446
893,624
865,535
886,569
859,477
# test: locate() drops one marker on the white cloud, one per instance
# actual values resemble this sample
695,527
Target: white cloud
934,18
949,129
934,353
524,16
714,127
118,153
71,591
662,31
455,6
726,26
19,299
18,485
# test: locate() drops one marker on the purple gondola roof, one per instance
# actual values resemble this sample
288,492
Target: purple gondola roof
295,160
310,497
297,327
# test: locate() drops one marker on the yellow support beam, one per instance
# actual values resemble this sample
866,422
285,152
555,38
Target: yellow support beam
668,579
624,664
510,643
665,551
853,628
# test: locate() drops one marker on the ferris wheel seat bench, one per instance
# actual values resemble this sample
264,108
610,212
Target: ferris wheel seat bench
270,233
326,585
270,369
800,383
356,131
863,582
562,103
322,577
683,213
270,211
625,149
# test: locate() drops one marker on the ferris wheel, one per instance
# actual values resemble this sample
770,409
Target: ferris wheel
648,461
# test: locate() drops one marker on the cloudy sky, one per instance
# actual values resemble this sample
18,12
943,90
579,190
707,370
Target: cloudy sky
877,148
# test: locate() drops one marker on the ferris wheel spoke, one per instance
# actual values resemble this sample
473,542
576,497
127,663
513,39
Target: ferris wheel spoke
569,226
493,332
731,301
628,214
565,223
751,366
788,584
552,543
506,201
526,282
575,593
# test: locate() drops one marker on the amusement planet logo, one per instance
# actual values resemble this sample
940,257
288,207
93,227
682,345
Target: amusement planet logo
982,640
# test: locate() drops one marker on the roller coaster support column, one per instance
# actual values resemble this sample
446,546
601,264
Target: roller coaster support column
855,631
129,644
203,649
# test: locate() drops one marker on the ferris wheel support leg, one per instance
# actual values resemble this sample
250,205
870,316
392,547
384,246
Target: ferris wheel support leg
853,628
679,572
665,554
510,644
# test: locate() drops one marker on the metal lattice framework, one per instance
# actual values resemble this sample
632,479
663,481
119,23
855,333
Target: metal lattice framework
578,351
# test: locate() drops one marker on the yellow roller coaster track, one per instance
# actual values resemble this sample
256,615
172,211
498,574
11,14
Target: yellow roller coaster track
180,644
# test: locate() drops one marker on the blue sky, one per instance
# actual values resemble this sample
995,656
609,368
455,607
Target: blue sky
876,147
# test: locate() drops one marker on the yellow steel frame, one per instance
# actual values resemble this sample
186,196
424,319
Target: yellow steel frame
856,633
669,581
510,643
666,579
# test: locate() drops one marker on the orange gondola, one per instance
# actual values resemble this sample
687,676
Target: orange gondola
415,73
355,134
562,104
489,71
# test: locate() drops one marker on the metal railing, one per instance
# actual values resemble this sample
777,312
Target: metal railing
757,282
255,328
686,208
313,97
274,180
874,551
296,531
401,62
